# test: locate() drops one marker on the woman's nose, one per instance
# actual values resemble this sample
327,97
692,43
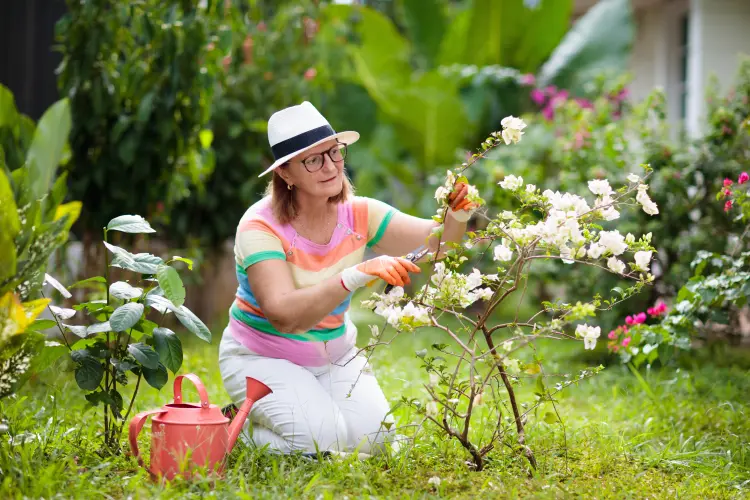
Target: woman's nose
328,164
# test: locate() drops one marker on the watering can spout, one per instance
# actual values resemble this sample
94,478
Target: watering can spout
256,390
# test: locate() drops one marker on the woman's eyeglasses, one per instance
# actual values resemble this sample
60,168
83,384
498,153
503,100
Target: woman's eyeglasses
315,162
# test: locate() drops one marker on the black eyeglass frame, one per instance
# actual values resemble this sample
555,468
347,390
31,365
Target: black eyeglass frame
322,155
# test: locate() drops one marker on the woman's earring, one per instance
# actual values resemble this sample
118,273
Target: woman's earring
289,187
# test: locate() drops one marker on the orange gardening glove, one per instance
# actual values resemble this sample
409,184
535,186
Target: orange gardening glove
461,208
393,270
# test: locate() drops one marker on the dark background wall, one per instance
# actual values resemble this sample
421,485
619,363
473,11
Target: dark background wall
27,57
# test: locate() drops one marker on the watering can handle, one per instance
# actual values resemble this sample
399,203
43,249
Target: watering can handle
198,384
136,424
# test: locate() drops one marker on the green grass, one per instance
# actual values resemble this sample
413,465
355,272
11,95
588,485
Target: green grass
668,434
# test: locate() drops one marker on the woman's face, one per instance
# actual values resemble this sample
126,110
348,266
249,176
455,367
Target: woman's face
321,176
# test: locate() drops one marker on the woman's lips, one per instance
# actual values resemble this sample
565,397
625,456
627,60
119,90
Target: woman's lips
331,179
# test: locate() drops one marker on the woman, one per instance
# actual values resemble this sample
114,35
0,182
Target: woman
299,253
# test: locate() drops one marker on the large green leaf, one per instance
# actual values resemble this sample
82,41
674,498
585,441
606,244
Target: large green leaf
89,372
47,147
126,316
143,263
193,323
8,111
9,227
599,41
426,23
167,344
130,224
144,354
156,377
506,33
170,282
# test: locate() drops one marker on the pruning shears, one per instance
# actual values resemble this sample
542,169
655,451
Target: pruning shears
412,256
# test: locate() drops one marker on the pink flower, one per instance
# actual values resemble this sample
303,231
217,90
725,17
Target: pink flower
728,206
537,96
528,79
727,192
626,342
550,90
612,335
629,320
661,307
624,94
640,318
310,74
743,178
584,103
651,311
625,329
728,182
548,112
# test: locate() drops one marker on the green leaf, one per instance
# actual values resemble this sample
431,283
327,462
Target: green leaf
51,352
9,223
189,262
193,323
169,348
89,372
206,137
125,291
93,282
42,324
156,377
76,330
170,282
144,354
46,149
426,23
57,286
143,263
600,40
8,111
126,316
550,417
161,304
99,328
130,224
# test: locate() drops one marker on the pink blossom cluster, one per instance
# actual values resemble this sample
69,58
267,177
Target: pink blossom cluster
742,179
548,98
621,336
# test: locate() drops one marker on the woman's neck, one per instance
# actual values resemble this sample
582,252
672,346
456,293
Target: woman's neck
313,209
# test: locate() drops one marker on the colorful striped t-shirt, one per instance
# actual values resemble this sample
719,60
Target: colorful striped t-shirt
361,223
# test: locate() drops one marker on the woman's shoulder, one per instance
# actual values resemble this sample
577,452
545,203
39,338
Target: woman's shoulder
259,213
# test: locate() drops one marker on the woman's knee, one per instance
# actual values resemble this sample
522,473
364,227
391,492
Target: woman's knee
319,434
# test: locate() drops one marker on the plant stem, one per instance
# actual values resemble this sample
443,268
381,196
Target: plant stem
512,396
130,406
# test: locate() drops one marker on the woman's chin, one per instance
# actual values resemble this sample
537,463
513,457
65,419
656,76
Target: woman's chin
331,188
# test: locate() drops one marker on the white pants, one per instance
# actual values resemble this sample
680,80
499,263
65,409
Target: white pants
311,408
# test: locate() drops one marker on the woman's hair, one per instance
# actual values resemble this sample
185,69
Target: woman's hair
284,203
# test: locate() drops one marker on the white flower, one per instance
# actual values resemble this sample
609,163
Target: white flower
431,409
633,178
507,214
375,331
606,204
613,241
492,277
589,334
512,129
511,183
649,347
484,293
434,480
642,197
642,259
441,193
581,253
502,253
596,250
479,399
629,239
474,279
420,314
600,187
512,366
567,255
434,379
616,265
508,345
530,188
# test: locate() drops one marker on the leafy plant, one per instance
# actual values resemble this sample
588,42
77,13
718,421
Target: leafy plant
473,381
140,77
122,339
33,224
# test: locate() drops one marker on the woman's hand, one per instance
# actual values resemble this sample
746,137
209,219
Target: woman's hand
393,270
461,208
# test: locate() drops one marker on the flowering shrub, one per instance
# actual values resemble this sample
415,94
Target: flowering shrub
634,340
472,381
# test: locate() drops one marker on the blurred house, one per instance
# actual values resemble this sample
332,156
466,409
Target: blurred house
679,44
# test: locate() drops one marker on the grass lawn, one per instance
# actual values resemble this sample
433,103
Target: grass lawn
669,434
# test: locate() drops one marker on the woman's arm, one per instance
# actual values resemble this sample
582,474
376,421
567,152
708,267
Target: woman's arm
293,310
288,309
406,232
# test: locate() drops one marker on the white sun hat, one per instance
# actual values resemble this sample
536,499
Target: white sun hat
299,128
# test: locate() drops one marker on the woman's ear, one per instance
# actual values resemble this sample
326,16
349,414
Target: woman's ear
284,173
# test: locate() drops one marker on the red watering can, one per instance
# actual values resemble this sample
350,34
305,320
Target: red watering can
185,436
